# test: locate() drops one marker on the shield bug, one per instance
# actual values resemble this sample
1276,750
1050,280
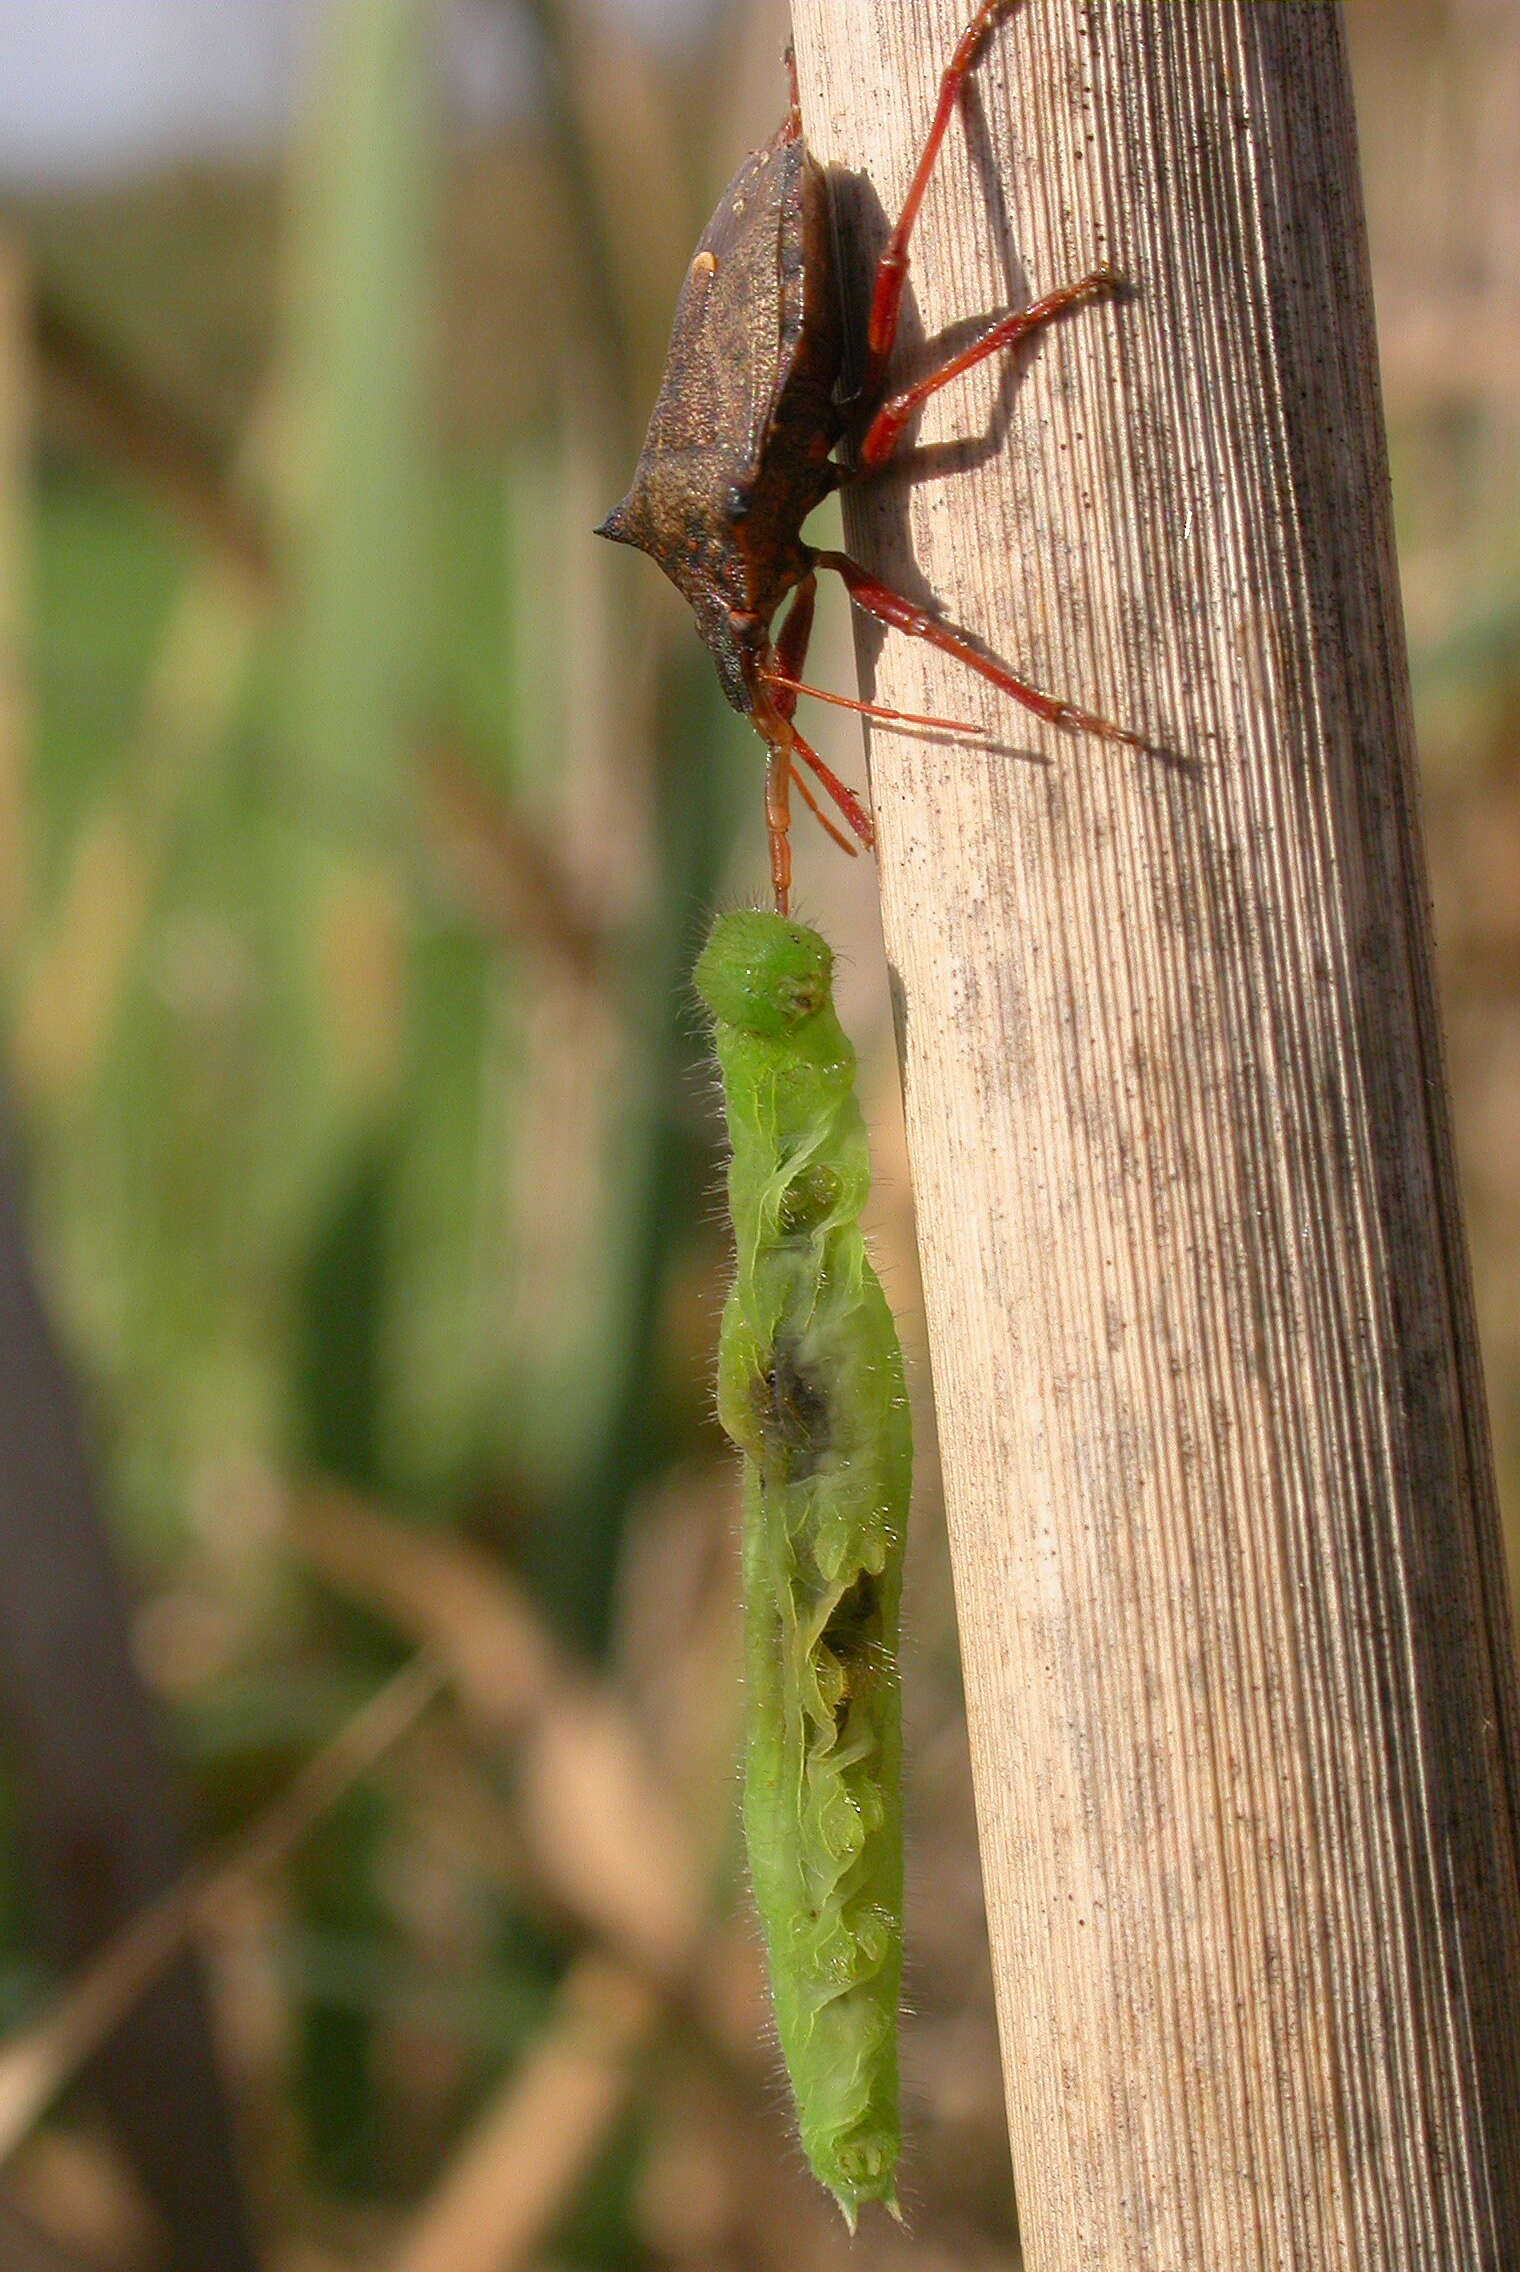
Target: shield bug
742,440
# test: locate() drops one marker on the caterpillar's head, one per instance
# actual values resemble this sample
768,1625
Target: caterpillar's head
763,973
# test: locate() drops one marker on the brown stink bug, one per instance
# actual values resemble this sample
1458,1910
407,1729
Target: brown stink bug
741,444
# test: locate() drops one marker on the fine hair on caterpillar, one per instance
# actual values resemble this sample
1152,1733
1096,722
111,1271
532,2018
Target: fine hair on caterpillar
811,1390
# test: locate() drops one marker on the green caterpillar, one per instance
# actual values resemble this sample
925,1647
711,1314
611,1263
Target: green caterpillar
810,1388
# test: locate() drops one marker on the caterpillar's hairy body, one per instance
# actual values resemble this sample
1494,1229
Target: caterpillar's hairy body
810,1388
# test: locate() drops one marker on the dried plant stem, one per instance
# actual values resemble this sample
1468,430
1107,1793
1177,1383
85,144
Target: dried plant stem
1238,1657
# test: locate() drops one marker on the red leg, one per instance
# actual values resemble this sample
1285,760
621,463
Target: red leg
892,608
829,827
885,430
784,673
790,655
790,651
796,686
892,268
844,796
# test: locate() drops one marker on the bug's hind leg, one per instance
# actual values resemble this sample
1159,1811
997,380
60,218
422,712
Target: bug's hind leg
902,614
892,268
885,430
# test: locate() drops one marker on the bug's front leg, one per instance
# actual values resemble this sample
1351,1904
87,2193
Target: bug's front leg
903,614
782,677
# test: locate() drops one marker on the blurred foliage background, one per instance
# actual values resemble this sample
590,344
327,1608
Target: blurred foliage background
359,818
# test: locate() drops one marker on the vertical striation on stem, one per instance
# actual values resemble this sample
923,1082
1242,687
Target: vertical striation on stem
1238,1657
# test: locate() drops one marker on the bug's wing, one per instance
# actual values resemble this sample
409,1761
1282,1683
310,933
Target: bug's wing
738,316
